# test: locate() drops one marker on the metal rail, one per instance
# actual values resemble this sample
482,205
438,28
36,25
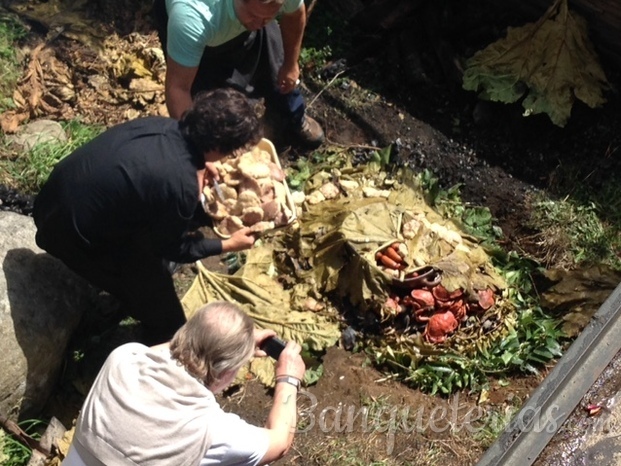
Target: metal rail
552,402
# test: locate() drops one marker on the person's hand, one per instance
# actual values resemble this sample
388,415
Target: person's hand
211,172
290,362
288,78
240,240
260,335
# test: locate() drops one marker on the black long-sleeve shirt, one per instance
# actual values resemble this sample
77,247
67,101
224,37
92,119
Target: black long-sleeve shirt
134,187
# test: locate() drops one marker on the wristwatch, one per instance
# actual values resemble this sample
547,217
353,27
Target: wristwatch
290,380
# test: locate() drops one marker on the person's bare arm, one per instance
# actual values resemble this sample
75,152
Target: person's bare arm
282,420
240,240
179,81
292,28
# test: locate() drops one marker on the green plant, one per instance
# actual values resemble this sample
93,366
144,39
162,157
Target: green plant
446,374
312,58
11,31
30,170
477,221
14,453
306,167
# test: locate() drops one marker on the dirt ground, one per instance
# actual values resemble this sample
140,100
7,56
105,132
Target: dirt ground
354,415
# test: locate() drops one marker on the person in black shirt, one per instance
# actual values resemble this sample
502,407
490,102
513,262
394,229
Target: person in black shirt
117,210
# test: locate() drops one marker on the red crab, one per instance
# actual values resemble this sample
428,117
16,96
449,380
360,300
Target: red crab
423,297
459,309
439,326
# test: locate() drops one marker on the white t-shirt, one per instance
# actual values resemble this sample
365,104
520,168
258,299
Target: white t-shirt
234,443
124,391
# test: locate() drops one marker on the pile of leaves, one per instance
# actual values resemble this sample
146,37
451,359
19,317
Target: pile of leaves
83,76
336,245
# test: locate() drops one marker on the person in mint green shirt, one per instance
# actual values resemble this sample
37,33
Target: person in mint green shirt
240,44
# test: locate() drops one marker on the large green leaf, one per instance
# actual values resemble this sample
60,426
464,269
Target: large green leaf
549,63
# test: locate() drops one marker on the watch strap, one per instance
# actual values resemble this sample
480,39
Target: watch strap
290,380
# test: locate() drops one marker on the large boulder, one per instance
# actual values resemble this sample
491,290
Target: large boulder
41,303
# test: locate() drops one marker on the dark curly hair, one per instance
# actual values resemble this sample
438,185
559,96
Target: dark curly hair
222,120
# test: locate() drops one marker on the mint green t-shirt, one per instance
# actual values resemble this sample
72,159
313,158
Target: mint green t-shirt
196,24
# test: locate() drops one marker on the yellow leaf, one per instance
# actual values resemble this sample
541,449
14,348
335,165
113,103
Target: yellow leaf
549,63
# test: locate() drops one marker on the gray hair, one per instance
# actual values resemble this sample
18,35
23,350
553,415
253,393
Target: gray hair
218,338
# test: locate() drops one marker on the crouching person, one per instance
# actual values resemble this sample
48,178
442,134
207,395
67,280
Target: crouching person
155,405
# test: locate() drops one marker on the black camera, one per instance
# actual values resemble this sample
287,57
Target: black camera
273,346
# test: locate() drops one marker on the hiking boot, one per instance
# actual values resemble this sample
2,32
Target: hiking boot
310,133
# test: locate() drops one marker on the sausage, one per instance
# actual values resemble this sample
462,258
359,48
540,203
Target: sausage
393,254
388,262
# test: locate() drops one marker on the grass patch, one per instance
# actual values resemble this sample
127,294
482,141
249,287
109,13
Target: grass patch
573,233
494,425
29,171
11,31
14,453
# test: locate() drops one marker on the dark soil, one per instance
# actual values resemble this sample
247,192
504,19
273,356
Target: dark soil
497,156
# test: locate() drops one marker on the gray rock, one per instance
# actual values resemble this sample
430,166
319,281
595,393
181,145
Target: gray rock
41,303
38,132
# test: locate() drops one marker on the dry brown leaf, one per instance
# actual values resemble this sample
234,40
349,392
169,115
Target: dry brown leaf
10,121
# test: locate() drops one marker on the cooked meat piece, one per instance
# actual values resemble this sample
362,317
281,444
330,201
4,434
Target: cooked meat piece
260,227
283,216
276,173
261,155
230,225
369,191
223,167
217,210
248,199
271,209
228,192
410,228
232,207
349,186
330,190
249,184
315,197
298,197
252,215
232,178
267,192
249,166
